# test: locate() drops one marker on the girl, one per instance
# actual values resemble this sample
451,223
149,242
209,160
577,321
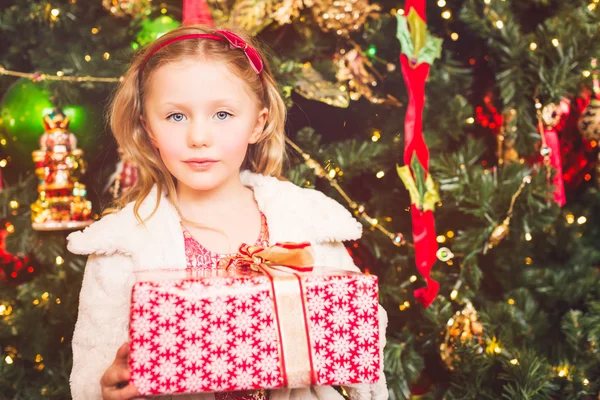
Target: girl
199,113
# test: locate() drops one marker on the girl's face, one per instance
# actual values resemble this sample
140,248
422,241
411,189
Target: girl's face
201,118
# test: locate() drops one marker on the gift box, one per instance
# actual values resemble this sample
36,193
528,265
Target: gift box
241,329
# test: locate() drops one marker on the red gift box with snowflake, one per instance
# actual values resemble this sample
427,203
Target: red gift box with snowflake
220,331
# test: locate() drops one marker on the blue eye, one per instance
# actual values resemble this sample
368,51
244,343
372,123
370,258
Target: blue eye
222,115
177,117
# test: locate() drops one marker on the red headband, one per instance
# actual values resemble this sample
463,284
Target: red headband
234,41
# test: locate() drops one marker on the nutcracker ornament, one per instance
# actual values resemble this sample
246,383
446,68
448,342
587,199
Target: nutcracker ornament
59,165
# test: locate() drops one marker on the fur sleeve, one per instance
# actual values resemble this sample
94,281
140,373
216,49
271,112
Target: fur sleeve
336,256
102,321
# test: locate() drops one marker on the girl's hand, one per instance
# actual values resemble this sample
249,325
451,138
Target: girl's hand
114,381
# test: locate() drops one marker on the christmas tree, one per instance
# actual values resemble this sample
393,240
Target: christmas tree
508,169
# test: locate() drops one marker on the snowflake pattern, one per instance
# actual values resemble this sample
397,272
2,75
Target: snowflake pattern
220,334
344,328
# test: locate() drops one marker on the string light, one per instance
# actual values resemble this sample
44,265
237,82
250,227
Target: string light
514,361
95,31
446,14
376,136
55,12
38,76
10,228
106,56
499,24
581,220
470,120
528,236
570,218
413,278
450,234
555,42
591,6
441,3
380,174
8,360
563,371
453,294
585,382
441,239
528,260
14,204
586,73
454,36
59,260
511,302
88,58
532,46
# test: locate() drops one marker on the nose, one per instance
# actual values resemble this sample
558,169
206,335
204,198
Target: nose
199,135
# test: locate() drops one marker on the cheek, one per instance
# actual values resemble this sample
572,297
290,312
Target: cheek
169,146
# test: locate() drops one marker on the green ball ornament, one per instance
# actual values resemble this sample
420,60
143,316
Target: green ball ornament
152,29
21,113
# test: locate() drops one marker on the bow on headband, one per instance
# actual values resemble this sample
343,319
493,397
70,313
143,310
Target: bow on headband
234,40
297,256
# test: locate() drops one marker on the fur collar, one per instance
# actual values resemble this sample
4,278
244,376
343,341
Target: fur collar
293,214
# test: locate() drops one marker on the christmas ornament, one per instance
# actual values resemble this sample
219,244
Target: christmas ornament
444,254
548,118
21,111
419,50
13,268
124,177
589,122
196,12
463,328
502,230
152,29
342,16
286,10
352,70
312,85
250,15
59,165
507,137
121,8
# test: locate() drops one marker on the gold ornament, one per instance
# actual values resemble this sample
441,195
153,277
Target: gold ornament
59,164
499,233
462,328
507,137
589,122
284,11
121,8
313,86
352,70
551,115
342,16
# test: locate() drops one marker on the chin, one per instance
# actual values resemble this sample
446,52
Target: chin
203,181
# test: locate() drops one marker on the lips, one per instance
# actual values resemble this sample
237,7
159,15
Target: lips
200,163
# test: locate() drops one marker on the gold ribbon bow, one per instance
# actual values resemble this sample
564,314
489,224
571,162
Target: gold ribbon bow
297,256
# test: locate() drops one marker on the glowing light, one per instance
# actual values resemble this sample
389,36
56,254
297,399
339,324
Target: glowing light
581,220
528,236
454,36
380,174
499,24
446,14
555,42
413,278
532,46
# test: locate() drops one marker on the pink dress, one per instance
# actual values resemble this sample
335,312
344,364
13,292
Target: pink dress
199,257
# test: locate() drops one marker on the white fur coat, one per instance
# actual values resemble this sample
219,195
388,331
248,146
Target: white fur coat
118,246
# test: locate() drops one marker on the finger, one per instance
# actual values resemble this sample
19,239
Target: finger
128,392
114,375
122,353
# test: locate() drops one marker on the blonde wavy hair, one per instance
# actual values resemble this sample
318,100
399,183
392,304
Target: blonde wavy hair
265,157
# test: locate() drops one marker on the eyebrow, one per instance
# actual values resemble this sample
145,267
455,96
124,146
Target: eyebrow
215,102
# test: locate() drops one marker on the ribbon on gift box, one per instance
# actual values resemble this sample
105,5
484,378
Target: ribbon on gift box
285,261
